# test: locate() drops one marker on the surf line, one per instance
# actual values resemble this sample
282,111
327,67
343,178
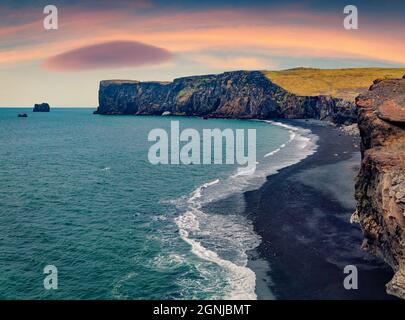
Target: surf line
292,136
242,280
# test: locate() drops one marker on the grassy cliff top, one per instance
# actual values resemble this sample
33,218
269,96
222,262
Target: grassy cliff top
341,83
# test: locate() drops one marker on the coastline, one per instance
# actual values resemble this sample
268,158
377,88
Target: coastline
219,205
302,215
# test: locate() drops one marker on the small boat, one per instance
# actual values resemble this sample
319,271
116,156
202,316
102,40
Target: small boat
22,115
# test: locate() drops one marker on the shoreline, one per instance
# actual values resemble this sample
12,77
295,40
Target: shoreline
203,200
302,214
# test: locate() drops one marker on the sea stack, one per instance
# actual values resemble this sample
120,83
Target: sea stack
380,188
41,107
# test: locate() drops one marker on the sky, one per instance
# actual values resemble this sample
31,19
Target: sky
161,40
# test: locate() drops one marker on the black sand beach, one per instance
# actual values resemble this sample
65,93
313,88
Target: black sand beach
302,214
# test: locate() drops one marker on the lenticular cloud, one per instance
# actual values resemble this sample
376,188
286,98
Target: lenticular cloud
113,54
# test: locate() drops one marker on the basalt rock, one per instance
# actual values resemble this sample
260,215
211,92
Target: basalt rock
41,107
238,94
380,187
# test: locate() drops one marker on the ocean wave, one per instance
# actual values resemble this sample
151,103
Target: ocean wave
292,137
242,280
225,239
198,192
116,294
244,171
163,262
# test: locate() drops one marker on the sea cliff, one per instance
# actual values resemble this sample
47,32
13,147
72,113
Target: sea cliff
237,94
380,187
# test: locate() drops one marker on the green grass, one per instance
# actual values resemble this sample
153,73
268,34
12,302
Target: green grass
341,83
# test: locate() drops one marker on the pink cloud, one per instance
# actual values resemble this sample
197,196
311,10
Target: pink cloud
113,54
192,34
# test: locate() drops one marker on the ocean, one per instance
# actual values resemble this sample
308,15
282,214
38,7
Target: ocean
78,192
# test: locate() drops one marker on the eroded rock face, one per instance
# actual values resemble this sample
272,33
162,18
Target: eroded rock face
238,94
41,107
380,188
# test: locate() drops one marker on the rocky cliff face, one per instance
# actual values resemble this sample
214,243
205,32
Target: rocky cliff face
380,189
239,94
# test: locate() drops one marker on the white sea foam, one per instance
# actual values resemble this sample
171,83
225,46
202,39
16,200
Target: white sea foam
225,239
292,136
242,280
244,171
118,285
198,192
168,261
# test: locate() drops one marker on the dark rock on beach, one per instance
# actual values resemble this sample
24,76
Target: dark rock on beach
41,107
237,94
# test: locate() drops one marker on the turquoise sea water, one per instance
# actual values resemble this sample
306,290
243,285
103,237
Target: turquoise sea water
77,191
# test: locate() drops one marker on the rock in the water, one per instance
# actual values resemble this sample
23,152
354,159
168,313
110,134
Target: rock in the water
41,107
22,115
380,188
237,94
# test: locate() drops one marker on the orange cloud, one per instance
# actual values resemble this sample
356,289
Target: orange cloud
293,33
232,63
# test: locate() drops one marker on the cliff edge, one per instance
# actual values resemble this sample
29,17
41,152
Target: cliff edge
380,187
236,94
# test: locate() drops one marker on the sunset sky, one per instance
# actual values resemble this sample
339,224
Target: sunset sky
162,40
